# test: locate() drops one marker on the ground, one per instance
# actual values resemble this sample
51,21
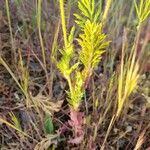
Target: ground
47,86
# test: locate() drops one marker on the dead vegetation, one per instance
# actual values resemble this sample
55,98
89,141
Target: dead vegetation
34,110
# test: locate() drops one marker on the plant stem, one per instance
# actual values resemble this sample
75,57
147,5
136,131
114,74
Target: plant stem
62,13
39,30
106,11
12,74
108,131
10,30
69,83
63,22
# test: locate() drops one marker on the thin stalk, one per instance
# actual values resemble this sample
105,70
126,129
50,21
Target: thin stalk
13,127
54,45
130,14
120,82
13,75
62,13
108,131
10,30
39,4
101,118
64,28
106,11
39,30
69,83
24,78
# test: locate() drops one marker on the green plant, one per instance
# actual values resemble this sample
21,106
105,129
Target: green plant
88,11
128,80
130,69
48,124
92,43
142,10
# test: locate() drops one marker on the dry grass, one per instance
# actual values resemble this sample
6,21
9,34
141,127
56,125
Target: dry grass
113,100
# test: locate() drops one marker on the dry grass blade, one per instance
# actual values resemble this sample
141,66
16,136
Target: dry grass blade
128,78
61,49
15,128
12,74
10,29
47,142
141,139
126,86
108,132
39,5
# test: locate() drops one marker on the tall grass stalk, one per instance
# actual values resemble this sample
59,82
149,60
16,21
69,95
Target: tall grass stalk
24,78
64,28
17,129
55,43
39,5
128,80
107,105
24,85
10,30
108,131
63,21
106,11
130,70
39,20
12,74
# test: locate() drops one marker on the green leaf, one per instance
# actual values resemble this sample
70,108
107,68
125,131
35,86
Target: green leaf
74,67
67,54
88,11
142,9
71,36
48,125
93,44
75,97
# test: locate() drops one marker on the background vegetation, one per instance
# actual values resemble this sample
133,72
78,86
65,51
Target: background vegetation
74,74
